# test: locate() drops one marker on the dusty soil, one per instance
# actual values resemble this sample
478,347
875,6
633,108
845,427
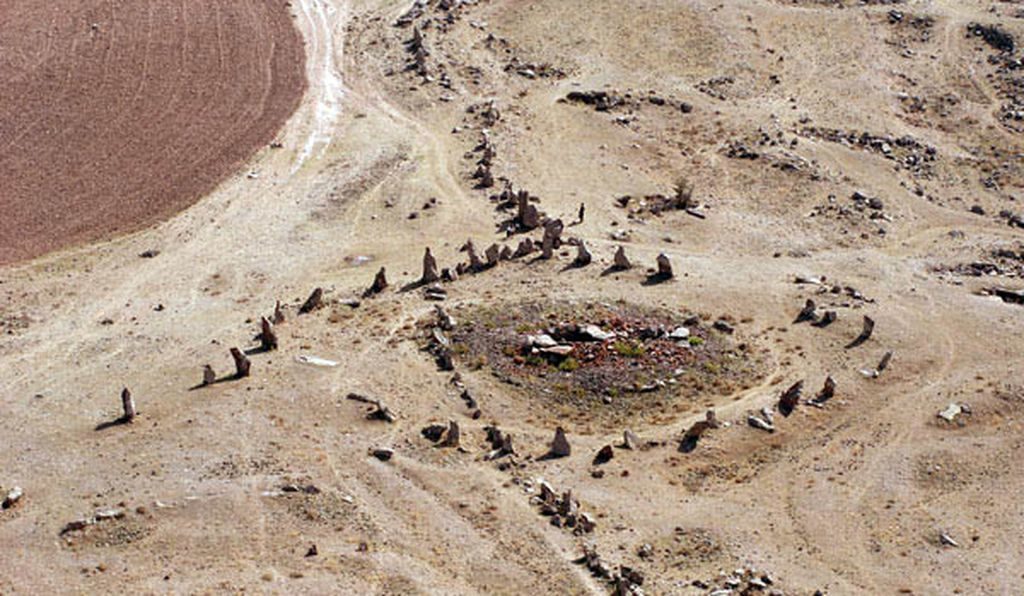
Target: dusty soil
875,157
114,115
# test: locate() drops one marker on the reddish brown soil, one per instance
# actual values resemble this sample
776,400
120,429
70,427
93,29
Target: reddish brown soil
115,114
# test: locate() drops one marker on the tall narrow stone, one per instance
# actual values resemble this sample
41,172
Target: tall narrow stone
268,339
430,274
278,317
128,405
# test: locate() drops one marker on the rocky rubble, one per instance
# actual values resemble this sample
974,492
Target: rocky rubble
907,152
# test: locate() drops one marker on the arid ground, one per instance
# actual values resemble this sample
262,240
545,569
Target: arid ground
867,156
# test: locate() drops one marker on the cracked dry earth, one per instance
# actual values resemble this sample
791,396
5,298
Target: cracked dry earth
870,149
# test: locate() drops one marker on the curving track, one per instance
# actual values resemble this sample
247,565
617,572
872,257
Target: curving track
115,114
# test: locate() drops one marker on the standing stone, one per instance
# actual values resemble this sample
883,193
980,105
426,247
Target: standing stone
506,253
560,444
451,439
827,391
380,283
315,301
583,256
525,247
242,363
475,264
430,274
128,405
664,267
278,317
208,375
493,255
268,339
630,440
621,262
552,238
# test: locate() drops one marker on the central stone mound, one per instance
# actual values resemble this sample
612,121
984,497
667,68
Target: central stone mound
607,362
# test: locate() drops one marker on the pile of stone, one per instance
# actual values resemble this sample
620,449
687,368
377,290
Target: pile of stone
379,411
564,510
500,442
628,582
740,581
103,515
417,47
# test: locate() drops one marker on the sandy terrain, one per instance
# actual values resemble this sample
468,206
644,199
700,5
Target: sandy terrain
832,139
114,115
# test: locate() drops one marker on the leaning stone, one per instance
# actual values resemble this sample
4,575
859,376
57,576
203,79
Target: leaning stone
128,405
242,363
560,444
314,302
759,423
789,400
430,274
827,391
808,313
827,319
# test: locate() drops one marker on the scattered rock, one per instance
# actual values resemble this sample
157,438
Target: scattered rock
953,411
